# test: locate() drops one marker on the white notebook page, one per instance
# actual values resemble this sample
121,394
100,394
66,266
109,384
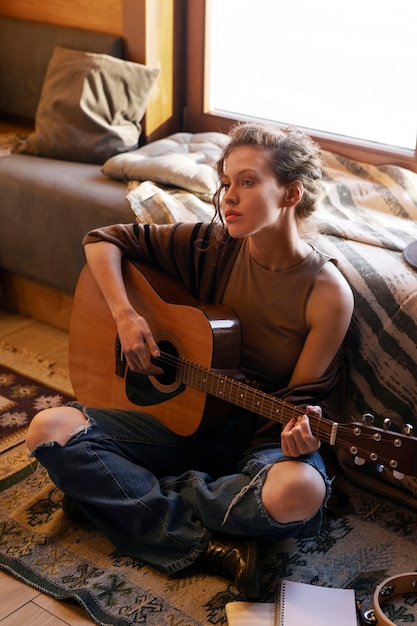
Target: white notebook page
302,604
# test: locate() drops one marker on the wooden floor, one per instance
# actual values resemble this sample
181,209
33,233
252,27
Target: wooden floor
25,333
19,603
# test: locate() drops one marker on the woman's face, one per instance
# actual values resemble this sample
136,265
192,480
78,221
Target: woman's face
252,197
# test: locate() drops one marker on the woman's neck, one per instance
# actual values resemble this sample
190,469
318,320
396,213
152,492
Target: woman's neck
280,254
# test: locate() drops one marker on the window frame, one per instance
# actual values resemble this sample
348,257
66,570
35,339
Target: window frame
198,117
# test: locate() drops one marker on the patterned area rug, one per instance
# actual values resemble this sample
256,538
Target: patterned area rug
41,547
20,399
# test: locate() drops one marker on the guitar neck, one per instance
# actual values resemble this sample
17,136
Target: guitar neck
247,397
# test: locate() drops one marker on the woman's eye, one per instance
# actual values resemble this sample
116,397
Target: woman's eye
246,182
225,185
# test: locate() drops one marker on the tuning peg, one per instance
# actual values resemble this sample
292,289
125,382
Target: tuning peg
368,418
397,475
407,429
386,424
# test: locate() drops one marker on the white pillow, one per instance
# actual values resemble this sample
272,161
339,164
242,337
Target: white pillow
183,160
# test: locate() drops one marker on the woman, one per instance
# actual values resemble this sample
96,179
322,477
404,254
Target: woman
171,500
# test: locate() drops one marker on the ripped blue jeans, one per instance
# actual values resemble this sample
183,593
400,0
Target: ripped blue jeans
158,496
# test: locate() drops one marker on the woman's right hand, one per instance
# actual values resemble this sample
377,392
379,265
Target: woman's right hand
138,343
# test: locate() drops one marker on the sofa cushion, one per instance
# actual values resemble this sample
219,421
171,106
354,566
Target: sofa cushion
90,108
46,208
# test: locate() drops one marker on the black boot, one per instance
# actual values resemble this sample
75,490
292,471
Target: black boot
73,511
237,559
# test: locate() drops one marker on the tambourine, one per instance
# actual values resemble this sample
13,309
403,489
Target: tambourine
393,586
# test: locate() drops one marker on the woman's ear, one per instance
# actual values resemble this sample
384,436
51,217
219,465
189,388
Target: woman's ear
295,192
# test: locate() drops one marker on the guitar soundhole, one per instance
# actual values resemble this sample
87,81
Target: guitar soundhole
149,390
168,362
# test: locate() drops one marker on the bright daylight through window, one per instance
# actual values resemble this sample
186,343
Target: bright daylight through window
348,68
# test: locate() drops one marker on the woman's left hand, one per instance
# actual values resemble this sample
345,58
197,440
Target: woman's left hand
296,436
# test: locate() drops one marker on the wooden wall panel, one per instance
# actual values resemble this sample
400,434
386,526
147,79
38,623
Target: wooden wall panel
34,299
154,32
101,15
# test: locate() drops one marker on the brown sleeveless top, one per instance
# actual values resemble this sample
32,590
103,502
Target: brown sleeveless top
271,307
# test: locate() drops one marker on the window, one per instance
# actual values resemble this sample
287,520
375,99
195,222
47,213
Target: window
346,72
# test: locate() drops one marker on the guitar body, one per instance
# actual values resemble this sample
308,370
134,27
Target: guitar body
204,334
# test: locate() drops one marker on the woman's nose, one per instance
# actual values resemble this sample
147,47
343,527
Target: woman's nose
230,196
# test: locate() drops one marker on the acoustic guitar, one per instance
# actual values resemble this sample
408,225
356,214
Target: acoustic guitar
200,355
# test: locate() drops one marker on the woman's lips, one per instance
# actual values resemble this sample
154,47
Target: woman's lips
231,216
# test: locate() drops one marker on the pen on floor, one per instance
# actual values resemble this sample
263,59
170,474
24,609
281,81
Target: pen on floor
359,616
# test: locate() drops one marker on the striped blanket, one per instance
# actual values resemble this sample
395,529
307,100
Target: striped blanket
366,218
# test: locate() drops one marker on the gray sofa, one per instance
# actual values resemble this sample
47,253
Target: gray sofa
48,204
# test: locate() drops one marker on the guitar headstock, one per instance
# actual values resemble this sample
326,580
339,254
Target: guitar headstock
380,446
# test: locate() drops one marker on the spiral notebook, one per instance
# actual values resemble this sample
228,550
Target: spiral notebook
297,604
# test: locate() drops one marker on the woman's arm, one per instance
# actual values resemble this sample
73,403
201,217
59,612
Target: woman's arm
105,262
328,314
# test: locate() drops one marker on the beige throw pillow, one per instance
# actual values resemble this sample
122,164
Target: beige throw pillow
90,107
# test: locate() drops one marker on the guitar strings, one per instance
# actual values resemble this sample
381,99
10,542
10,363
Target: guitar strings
237,397
245,396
